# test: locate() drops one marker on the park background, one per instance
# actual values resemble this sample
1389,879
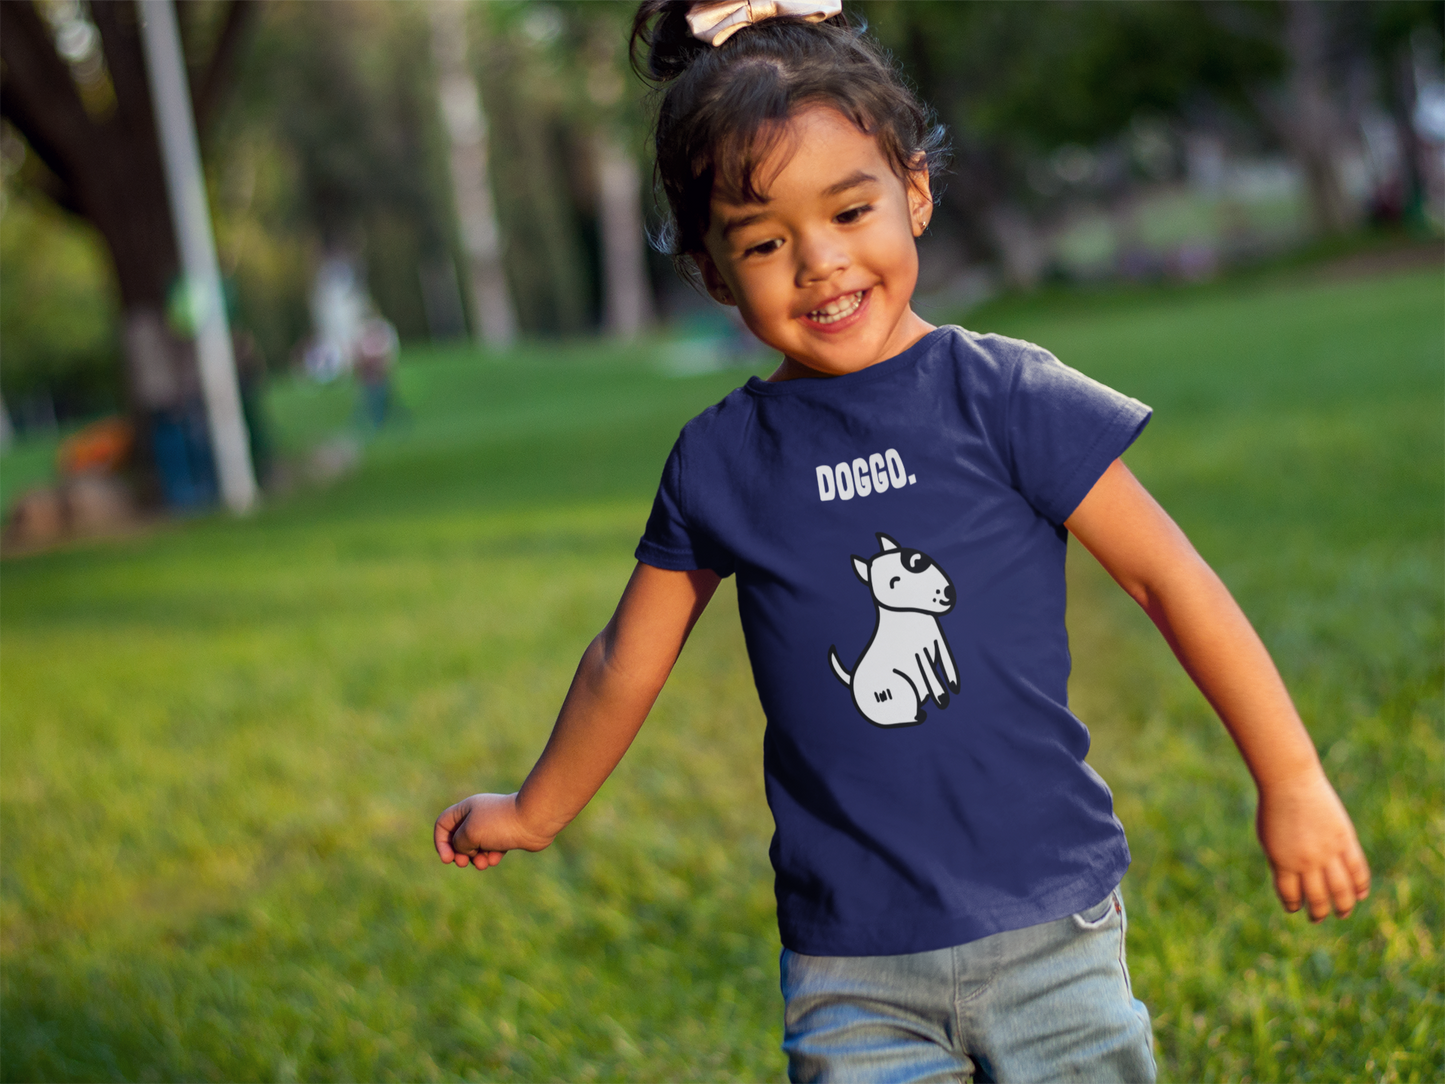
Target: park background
223,740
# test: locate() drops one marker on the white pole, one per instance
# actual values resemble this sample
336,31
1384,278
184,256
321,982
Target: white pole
176,126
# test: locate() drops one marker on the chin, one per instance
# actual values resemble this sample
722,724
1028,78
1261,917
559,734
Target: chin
849,358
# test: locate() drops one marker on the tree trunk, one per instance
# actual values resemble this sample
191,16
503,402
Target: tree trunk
1311,127
108,169
1401,97
626,292
494,319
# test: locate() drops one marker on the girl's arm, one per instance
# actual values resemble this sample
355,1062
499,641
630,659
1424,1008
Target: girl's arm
1304,829
619,677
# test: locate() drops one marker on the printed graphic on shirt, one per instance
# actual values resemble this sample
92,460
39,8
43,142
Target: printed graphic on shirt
876,473
898,671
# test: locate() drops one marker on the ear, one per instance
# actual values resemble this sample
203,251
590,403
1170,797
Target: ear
885,544
920,200
860,566
717,289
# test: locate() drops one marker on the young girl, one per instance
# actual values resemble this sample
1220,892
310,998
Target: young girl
895,501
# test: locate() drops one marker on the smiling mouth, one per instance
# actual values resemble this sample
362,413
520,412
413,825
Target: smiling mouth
840,308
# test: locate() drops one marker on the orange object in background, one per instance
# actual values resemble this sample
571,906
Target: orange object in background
100,446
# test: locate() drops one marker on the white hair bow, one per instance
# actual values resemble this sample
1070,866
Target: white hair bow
717,20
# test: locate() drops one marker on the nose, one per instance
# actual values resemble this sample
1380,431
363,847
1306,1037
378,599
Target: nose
820,257
948,593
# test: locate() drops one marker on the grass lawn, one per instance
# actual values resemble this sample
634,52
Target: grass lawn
222,746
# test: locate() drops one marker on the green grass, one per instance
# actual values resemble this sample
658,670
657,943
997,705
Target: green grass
223,745
27,464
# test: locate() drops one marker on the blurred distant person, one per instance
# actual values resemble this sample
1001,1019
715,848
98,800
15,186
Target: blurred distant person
339,307
376,349
895,500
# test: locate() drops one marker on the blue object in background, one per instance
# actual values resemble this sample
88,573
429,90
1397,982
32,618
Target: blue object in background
182,450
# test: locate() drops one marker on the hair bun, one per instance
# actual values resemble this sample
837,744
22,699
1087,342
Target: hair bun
660,28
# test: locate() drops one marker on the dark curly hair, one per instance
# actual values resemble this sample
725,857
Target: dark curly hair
721,107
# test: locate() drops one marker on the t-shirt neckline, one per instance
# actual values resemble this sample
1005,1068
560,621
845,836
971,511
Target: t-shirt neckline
816,385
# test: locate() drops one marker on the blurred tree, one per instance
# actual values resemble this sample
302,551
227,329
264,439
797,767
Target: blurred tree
1326,46
494,318
57,319
1015,81
524,64
73,83
1396,30
1304,109
341,97
566,139
606,104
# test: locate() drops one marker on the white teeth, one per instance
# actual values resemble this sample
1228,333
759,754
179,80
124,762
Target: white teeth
837,309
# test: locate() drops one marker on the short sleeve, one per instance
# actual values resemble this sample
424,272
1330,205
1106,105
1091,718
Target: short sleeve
1064,429
671,540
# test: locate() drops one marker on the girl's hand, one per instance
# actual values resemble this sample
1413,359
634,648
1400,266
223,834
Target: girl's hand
619,677
1311,846
480,829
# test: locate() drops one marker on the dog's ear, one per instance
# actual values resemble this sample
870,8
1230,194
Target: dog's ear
860,566
885,543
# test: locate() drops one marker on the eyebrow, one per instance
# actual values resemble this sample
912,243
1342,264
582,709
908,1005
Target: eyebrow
732,225
853,180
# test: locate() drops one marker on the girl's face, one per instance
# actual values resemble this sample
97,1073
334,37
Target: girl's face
824,268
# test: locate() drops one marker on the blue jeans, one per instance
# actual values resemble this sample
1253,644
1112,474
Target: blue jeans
1049,1002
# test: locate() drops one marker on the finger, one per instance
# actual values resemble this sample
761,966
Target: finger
1317,894
1342,888
1290,891
459,840
442,837
1359,871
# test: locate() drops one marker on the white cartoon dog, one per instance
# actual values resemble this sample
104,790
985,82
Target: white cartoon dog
895,676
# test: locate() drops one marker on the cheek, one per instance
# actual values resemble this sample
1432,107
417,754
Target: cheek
895,248
762,290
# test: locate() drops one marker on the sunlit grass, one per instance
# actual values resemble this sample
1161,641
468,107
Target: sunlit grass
223,745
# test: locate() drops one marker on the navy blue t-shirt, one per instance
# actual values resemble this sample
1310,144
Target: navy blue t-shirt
897,537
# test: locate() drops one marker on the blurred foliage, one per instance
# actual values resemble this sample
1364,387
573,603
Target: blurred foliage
57,313
1028,77
334,142
329,144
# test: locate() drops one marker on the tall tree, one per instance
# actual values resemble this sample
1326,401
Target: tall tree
1303,109
494,318
96,138
604,106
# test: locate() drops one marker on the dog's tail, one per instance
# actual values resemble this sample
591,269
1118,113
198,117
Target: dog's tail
843,675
